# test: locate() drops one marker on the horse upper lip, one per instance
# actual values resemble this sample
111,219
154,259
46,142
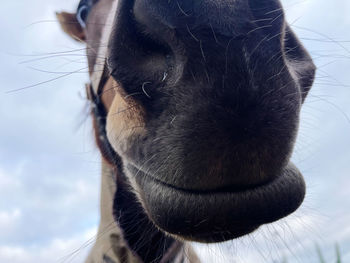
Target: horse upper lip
227,189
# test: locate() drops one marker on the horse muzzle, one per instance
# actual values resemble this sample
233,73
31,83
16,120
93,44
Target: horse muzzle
221,85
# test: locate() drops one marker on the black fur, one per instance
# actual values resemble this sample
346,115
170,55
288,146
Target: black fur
142,236
221,84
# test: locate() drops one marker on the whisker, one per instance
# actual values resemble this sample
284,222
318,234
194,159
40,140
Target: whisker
60,22
324,35
55,56
45,82
56,72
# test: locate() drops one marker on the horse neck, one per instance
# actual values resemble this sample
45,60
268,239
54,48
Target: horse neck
125,230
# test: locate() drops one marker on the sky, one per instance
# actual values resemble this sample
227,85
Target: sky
50,168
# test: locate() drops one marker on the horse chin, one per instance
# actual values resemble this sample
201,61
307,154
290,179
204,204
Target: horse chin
217,216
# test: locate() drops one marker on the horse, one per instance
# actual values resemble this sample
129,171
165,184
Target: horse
195,106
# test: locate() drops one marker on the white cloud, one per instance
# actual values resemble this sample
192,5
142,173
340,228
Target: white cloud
72,250
9,220
8,182
8,217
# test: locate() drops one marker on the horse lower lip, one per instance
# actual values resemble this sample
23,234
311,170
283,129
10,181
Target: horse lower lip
195,215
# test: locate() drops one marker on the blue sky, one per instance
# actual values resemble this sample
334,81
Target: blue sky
49,168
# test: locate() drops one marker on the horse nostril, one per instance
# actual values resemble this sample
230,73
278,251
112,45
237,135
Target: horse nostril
168,13
190,14
237,17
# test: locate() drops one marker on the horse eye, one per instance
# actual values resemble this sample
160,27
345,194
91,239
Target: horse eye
83,11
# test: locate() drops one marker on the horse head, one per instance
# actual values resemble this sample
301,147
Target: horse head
200,102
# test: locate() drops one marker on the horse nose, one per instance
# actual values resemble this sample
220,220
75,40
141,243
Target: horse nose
228,73
248,112
226,17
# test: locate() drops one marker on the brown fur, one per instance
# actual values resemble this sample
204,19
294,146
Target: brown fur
71,26
124,119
